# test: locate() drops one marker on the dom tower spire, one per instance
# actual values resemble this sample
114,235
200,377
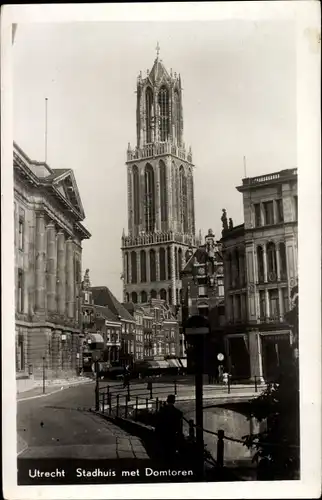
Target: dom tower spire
161,219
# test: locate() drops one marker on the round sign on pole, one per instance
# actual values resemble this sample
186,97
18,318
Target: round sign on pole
220,356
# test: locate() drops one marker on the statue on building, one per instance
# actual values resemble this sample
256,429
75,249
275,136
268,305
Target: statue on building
86,284
210,244
224,220
231,225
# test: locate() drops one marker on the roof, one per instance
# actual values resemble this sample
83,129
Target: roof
158,71
106,313
201,255
234,232
56,172
103,297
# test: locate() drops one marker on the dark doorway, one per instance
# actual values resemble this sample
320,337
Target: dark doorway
275,354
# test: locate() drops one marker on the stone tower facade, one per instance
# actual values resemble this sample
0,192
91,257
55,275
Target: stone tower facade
161,218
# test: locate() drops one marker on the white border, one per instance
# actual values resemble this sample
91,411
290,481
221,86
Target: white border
306,16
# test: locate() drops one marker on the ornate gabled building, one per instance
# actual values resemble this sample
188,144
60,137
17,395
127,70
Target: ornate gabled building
161,219
203,294
48,236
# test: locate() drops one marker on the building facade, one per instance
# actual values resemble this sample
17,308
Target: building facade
203,294
157,330
102,296
260,269
48,237
161,220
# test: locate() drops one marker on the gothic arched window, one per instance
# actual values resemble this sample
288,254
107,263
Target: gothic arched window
143,266
136,195
169,262
163,192
162,264
127,297
153,276
153,294
176,113
163,294
149,201
191,201
148,108
133,267
134,297
126,270
176,262
144,297
179,261
164,114
183,200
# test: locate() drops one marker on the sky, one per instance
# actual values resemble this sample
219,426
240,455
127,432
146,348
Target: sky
239,99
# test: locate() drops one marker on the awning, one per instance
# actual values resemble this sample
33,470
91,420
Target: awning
174,363
183,362
162,364
97,339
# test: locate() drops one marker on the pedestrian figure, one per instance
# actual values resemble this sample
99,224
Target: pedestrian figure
168,429
225,378
220,373
126,379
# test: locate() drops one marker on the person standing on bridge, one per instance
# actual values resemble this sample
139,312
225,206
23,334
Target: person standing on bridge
168,429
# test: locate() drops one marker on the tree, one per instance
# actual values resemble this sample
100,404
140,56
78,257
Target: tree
277,449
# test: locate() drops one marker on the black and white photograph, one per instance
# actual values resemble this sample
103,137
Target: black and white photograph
153,296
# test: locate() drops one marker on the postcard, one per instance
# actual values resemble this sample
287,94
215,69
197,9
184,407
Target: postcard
161,217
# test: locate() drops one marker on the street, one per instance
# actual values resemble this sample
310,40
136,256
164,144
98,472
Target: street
60,425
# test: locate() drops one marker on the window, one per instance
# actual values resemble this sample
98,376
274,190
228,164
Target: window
133,267
148,107
203,311
202,291
162,261
238,307
20,290
257,211
273,304
295,208
149,193
164,114
283,265
285,300
279,211
153,275
271,262
260,264
262,305
136,195
21,231
221,291
269,212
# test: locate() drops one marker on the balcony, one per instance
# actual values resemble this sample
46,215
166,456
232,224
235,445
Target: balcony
162,237
276,176
157,149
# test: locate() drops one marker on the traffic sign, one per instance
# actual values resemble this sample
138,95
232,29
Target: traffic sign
220,356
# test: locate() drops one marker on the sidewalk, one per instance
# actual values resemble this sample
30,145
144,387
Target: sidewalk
51,387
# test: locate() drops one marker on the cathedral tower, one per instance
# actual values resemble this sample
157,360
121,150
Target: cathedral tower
161,220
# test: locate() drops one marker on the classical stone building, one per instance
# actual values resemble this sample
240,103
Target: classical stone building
48,256
260,270
161,220
203,294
